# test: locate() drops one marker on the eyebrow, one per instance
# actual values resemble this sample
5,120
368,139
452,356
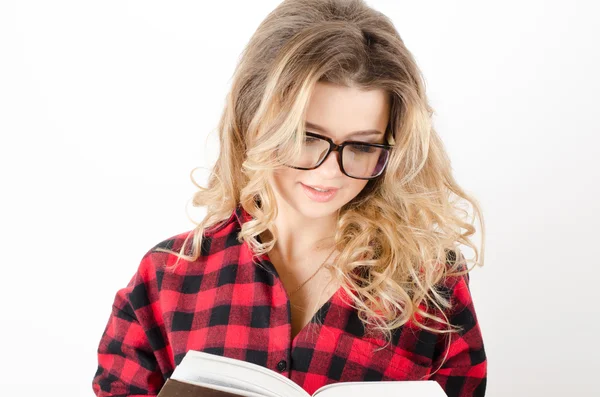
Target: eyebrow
355,133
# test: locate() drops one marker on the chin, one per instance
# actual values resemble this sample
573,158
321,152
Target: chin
316,212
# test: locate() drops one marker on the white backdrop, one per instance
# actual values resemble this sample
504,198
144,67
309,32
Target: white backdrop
105,107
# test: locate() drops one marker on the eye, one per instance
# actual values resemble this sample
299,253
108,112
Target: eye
363,149
310,139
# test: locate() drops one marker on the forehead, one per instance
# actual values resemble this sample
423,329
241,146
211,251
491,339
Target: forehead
341,110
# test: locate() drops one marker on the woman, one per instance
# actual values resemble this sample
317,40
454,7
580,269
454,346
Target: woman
329,249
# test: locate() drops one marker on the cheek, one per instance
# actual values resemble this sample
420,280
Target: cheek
284,179
356,186
351,190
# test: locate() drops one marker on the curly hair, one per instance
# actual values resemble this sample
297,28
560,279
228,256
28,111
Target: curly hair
395,237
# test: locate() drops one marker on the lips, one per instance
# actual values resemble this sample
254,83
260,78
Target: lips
317,195
322,188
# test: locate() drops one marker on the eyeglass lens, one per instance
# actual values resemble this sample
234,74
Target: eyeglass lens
361,161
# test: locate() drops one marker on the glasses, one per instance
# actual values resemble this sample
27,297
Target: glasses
358,160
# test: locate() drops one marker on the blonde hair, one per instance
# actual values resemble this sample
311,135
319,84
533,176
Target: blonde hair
398,238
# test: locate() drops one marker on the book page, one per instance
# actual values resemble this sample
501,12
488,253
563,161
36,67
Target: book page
202,367
411,388
230,385
175,388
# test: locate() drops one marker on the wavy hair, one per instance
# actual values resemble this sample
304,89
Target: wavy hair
395,237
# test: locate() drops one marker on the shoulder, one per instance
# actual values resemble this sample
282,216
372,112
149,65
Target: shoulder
163,274
454,286
165,256
211,241
456,269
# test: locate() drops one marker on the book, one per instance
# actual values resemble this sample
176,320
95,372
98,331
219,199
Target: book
202,374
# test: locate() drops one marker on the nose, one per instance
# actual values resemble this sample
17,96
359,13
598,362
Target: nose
330,168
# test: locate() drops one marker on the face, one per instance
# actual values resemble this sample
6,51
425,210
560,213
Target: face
339,113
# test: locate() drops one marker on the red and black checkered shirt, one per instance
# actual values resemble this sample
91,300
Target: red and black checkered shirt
225,304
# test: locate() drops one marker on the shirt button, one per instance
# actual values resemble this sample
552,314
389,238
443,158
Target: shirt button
281,366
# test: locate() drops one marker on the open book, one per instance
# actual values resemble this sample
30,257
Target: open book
206,375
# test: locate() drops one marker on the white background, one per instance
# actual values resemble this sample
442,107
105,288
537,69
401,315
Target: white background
106,107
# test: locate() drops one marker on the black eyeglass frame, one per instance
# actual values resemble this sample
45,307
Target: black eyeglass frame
338,148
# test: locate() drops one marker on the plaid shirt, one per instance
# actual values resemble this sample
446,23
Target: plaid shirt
224,304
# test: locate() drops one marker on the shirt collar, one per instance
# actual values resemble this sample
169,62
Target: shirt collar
242,215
